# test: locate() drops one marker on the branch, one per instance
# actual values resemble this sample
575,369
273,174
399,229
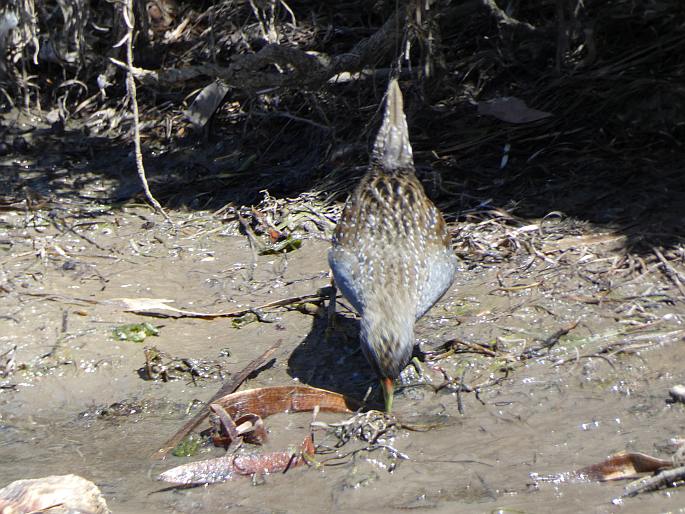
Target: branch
131,87
300,68
504,19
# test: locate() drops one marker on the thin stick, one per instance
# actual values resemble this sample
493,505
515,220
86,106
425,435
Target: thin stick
670,271
228,388
131,87
667,478
180,313
549,342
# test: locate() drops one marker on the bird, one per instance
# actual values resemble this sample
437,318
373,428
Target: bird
391,253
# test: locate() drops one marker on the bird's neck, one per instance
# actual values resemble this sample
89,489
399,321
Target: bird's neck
377,168
387,332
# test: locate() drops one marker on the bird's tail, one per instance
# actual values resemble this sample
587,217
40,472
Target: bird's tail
392,149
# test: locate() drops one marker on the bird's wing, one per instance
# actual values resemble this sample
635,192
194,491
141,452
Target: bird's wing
345,269
438,280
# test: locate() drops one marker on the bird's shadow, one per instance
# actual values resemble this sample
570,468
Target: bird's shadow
332,359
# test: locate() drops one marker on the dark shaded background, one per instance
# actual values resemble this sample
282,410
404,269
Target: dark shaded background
610,73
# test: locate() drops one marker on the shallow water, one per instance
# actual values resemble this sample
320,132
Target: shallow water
546,417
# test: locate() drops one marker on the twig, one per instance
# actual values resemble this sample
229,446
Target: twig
504,19
256,246
460,402
666,478
228,388
305,70
450,347
517,288
131,87
670,271
140,306
71,229
294,118
548,343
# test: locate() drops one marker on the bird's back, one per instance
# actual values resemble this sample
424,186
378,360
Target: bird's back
391,240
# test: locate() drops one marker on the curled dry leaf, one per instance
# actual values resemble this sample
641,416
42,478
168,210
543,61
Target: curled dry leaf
254,431
248,408
623,465
266,401
250,428
228,388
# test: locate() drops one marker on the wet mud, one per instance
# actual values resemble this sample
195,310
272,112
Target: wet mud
567,358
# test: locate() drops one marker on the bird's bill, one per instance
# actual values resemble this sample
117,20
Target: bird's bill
388,386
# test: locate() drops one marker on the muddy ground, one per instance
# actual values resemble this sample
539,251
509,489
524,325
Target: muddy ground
573,341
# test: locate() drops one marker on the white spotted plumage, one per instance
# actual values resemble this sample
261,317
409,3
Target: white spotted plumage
391,253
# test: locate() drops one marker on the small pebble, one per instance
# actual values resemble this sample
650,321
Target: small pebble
69,266
677,393
67,493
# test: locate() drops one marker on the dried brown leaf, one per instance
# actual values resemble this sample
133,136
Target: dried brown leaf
249,407
266,401
623,465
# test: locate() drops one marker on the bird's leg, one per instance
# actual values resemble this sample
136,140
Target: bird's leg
418,362
388,386
330,321
415,372
417,366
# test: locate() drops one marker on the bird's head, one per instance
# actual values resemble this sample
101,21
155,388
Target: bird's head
387,340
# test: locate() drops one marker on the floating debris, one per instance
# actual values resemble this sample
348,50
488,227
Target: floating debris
188,447
230,467
241,413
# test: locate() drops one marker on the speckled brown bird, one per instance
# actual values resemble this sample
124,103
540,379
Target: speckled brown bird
391,253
